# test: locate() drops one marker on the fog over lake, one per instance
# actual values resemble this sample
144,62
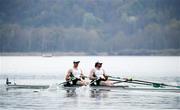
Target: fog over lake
114,65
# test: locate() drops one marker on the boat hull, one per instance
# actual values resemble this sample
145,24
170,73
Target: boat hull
152,89
125,87
27,86
128,88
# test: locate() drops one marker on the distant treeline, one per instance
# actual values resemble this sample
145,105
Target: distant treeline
90,26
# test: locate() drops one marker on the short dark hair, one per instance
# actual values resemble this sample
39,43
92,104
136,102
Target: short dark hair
97,64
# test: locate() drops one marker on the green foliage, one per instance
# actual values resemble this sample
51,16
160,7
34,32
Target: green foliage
89,25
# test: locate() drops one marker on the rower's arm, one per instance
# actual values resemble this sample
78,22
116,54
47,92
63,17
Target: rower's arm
104,74
82,75
91,76
82,72
68,75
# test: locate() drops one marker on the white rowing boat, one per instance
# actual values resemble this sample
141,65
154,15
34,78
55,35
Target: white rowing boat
133,88
166,88
119,87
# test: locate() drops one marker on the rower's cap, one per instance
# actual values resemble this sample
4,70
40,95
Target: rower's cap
76,61
99,62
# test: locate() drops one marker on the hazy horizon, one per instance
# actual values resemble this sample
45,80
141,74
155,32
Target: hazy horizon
127,66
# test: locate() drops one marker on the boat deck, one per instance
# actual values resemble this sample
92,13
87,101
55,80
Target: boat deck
14,86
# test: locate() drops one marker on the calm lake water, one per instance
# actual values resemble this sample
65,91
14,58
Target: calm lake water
51,70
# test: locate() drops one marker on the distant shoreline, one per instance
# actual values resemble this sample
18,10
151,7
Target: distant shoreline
167,52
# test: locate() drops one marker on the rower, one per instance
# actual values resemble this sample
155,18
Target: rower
75,75
98,76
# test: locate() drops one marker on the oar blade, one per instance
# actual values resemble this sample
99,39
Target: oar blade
156,85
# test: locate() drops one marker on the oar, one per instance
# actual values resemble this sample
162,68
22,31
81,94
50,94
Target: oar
114,77
92,81
170,85
155,84
65,82
125,79
120,81
62,83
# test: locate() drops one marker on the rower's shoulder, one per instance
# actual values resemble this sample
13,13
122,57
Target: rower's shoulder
70,70
93,69
103,70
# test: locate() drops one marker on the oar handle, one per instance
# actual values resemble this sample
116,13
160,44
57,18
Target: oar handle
126,79
62,83
114,77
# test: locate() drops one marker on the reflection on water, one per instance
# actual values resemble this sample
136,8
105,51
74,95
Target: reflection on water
71,92
99,93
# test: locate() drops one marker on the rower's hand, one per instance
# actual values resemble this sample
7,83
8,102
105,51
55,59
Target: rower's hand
98,78
106,77
73,78
83,77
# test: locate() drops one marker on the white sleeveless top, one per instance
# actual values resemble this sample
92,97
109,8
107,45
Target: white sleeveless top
99,72
76,72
